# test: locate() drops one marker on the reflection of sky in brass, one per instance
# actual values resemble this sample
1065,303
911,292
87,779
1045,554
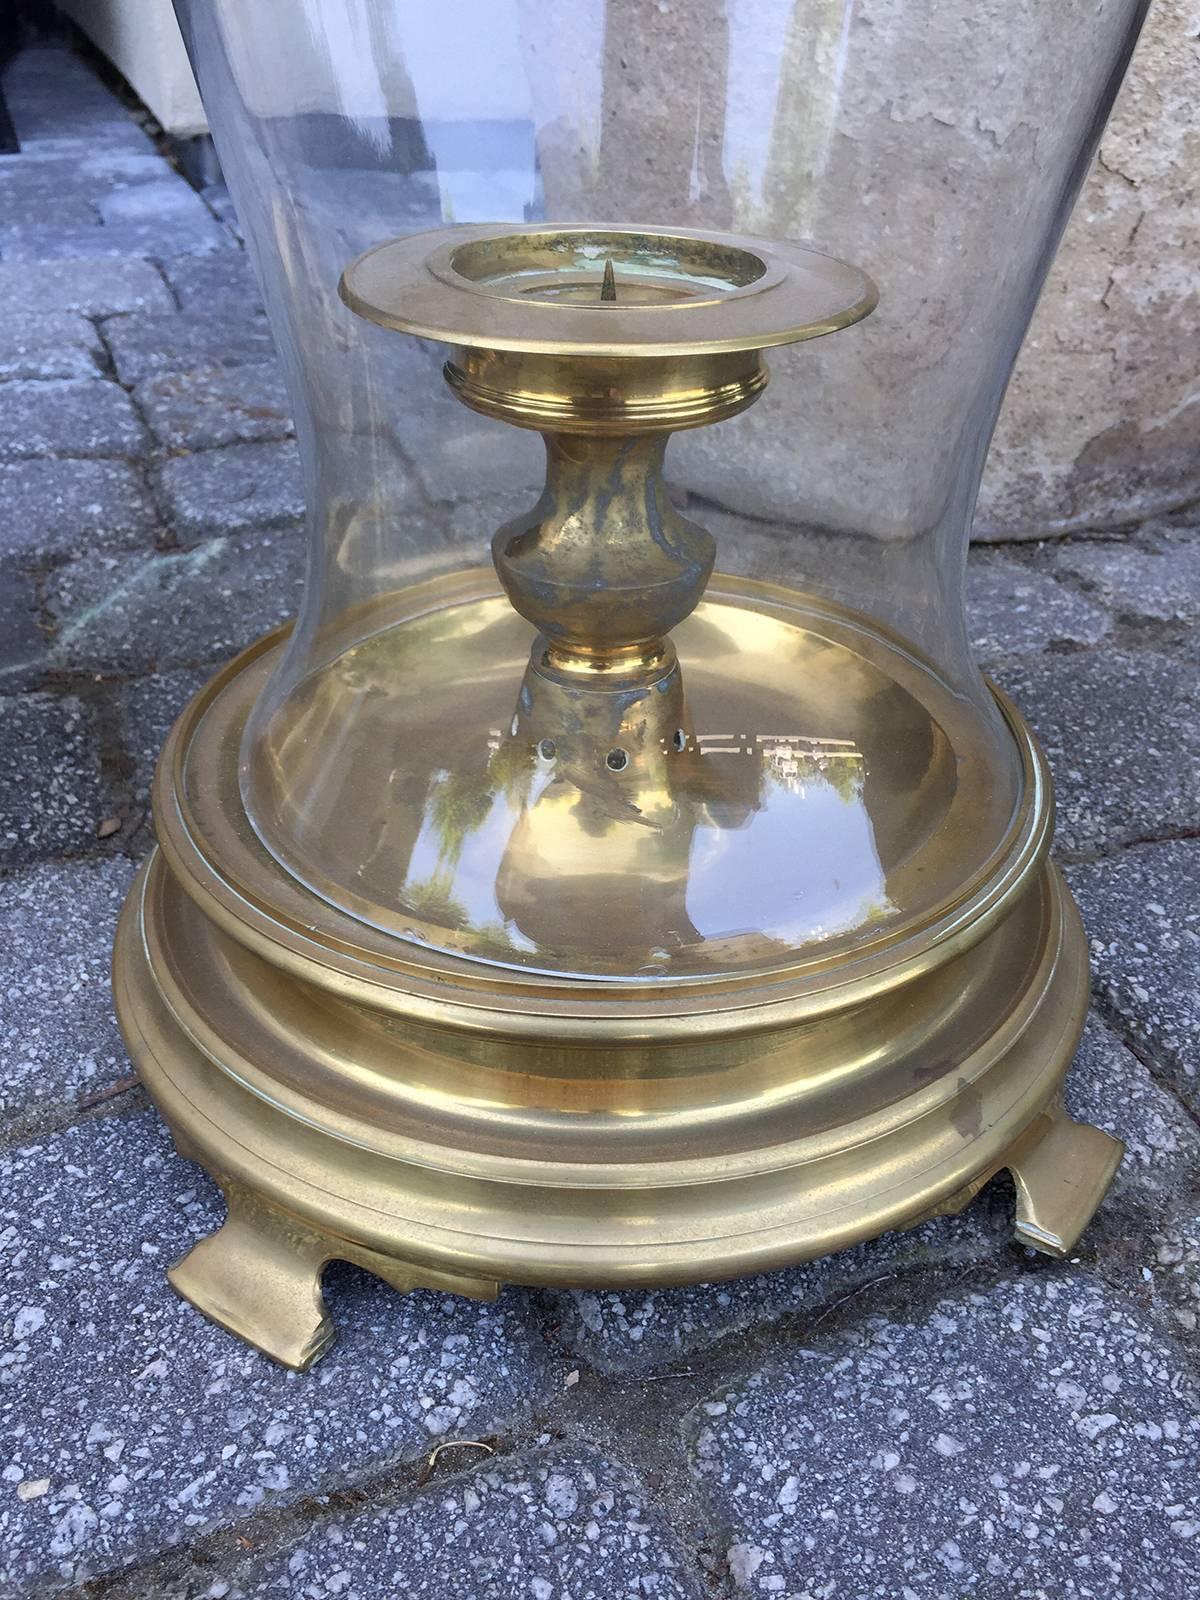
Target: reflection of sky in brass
810,816
469,864
415,811
803,866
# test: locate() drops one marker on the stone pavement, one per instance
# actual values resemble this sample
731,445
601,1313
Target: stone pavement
931,1415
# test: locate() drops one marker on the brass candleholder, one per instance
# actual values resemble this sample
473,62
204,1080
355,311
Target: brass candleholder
645,939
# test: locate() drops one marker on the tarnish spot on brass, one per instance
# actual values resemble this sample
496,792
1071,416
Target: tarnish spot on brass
967,1111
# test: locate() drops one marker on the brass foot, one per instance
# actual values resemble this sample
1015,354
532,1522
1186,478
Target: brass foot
1061,1177
259,1277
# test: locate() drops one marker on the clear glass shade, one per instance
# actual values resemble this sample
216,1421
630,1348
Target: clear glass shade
838,772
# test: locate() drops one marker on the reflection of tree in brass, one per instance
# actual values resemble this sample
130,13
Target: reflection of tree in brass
873,911
433,902
493,939
793,767
845,778
510,769
458,805
460,802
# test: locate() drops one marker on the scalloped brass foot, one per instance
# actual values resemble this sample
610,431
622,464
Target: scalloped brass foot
259,1277
1061,1176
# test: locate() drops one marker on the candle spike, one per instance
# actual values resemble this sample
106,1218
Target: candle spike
608,289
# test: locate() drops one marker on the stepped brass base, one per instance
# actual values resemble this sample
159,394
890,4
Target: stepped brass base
449,1123
301,1194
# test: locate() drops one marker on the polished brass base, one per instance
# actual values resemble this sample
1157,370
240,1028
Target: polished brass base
444,1121
306,1184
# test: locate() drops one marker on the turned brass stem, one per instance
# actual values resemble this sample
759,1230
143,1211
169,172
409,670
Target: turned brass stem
604,565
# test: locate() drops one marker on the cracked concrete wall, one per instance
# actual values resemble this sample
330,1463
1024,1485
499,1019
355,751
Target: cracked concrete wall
1101,424
659,114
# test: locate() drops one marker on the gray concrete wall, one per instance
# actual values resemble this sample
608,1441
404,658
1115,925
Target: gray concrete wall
1100,428
1101,424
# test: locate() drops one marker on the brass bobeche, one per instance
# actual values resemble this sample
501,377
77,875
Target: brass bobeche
370,1083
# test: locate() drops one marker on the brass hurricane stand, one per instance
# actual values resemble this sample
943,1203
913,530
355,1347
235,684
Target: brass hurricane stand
624,1034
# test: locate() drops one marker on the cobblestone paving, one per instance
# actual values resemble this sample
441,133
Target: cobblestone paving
927,1416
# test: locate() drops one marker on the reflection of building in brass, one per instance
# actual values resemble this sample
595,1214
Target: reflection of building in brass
644,936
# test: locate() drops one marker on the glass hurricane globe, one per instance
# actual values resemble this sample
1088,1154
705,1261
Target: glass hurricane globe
621,871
